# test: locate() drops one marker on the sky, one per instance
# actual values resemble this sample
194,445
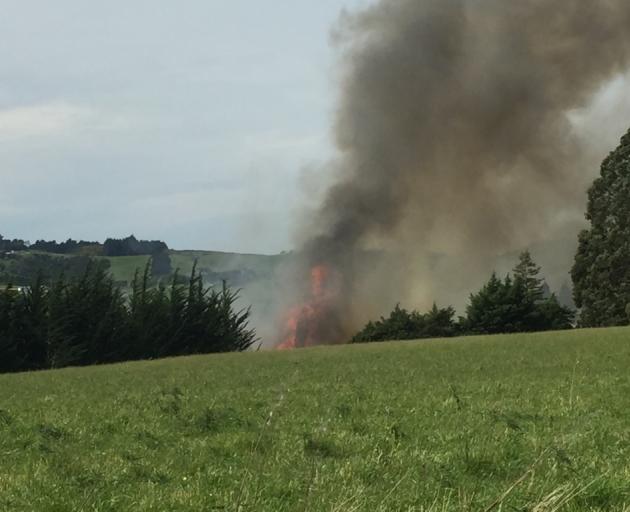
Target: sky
202,123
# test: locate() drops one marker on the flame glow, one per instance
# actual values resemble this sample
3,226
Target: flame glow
309,324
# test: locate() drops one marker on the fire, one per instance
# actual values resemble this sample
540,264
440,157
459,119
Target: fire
310,323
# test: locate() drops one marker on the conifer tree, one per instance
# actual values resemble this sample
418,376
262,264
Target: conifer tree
516,304
10,357
529,273
86,320
34,323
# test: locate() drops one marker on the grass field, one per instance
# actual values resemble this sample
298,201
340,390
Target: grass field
523,422
123,268
224,261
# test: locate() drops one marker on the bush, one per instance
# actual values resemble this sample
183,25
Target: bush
404,325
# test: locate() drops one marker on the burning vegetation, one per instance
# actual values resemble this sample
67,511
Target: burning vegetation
314,321
453,137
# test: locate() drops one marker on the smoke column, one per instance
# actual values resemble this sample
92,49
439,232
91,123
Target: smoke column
454,138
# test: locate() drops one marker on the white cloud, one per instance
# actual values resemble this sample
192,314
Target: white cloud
57,120
45,120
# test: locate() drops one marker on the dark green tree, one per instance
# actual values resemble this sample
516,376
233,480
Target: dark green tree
601,272
501,306
86,320
150,325
11,358
410,325
63,346
34,325
529,274
517,304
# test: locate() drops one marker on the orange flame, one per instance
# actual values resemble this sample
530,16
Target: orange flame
302,323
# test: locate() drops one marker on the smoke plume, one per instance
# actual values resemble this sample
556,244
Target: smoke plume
455,142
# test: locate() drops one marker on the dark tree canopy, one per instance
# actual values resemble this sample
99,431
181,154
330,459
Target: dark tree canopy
131,246
409,325
87,320
16,244
601,272
522,303
70,246
516,304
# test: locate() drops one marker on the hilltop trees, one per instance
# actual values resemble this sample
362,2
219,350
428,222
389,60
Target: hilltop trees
70,246
131,246
16,244
601,272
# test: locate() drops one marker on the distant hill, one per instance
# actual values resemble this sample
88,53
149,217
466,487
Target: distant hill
214,265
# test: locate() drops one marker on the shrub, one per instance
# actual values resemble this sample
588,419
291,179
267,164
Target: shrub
404,325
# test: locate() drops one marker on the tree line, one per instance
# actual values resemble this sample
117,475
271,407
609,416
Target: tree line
129,246
517,303
87,320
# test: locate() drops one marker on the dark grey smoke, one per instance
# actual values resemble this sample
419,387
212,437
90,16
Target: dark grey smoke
453,137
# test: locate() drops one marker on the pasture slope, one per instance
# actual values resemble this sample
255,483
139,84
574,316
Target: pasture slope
523,422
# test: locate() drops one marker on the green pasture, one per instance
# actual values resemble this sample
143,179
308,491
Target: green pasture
223,261
123,268
512,423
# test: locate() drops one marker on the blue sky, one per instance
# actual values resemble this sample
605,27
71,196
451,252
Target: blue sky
196,122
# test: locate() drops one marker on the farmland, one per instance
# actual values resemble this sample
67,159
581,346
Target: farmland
123,268
481,423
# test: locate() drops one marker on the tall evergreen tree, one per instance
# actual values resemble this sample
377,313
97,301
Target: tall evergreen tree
529,273
10,354
601,272
517,304
34,323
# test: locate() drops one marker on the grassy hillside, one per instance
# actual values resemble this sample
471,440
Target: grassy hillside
224,261
123,268
519,421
